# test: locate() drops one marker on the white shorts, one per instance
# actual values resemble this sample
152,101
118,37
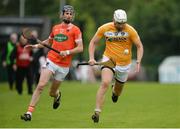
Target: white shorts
59,72
121,72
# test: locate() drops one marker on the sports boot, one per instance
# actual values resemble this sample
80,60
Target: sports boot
26,117
95,117
114,97
57,101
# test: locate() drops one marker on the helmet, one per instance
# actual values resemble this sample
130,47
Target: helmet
120,16
68,8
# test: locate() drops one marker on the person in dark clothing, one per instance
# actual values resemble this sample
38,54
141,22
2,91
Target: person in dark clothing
23,64
35,67
37,53
8,61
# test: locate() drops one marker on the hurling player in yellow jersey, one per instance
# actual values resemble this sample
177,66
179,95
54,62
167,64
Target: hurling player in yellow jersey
119,38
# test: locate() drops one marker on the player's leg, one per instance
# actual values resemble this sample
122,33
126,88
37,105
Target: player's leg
44,78
59,76
117,90
54,92
121,76
106,78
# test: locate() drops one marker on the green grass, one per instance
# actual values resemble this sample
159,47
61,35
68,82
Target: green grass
142,105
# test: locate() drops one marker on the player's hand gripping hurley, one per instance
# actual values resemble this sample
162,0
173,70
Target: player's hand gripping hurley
27,34
108,63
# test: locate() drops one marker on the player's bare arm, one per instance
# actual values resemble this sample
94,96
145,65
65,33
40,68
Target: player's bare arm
77,49
30,46
92,47
140,52
46,42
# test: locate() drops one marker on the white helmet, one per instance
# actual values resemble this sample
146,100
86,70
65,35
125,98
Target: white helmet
120,16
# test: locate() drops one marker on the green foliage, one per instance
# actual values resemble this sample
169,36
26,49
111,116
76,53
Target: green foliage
157,21
10,8
157,24
92,14
142,105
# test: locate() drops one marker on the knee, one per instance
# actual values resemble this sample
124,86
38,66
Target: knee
105,83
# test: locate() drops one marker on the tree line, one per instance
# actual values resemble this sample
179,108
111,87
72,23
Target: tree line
157,22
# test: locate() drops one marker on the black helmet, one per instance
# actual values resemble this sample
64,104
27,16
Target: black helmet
68,8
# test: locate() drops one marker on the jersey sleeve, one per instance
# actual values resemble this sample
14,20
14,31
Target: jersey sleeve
100,31
134,35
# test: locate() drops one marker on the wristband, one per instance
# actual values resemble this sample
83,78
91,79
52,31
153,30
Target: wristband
68,52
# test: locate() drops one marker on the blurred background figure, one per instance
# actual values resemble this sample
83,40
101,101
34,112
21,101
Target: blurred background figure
23,66
85,74
7,60
38,57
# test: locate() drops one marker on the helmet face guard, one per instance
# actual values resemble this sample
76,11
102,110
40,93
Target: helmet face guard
67,8
120,16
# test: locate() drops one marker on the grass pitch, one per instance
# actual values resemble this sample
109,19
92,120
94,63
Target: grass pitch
142,105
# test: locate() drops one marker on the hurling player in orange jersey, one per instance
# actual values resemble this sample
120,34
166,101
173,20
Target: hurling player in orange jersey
66,38
119,38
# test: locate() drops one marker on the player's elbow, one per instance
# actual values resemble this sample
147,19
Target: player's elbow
81,49
141,48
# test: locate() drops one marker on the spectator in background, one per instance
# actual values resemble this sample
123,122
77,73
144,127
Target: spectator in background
8,61
36,54
85,74
23,66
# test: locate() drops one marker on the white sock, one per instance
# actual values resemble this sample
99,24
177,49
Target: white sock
58,94
97,110
29,113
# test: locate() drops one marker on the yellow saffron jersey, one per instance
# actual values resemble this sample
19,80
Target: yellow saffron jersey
118,44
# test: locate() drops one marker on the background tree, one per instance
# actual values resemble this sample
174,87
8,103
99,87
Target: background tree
157,22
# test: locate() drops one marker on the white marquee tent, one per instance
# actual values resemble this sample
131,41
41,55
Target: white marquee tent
169,70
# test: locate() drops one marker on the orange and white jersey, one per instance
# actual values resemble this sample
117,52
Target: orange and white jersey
63,37
118,44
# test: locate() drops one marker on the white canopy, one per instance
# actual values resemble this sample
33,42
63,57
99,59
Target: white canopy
169,70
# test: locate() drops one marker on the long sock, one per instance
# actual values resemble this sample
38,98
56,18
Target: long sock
97,111
58,94
30,109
